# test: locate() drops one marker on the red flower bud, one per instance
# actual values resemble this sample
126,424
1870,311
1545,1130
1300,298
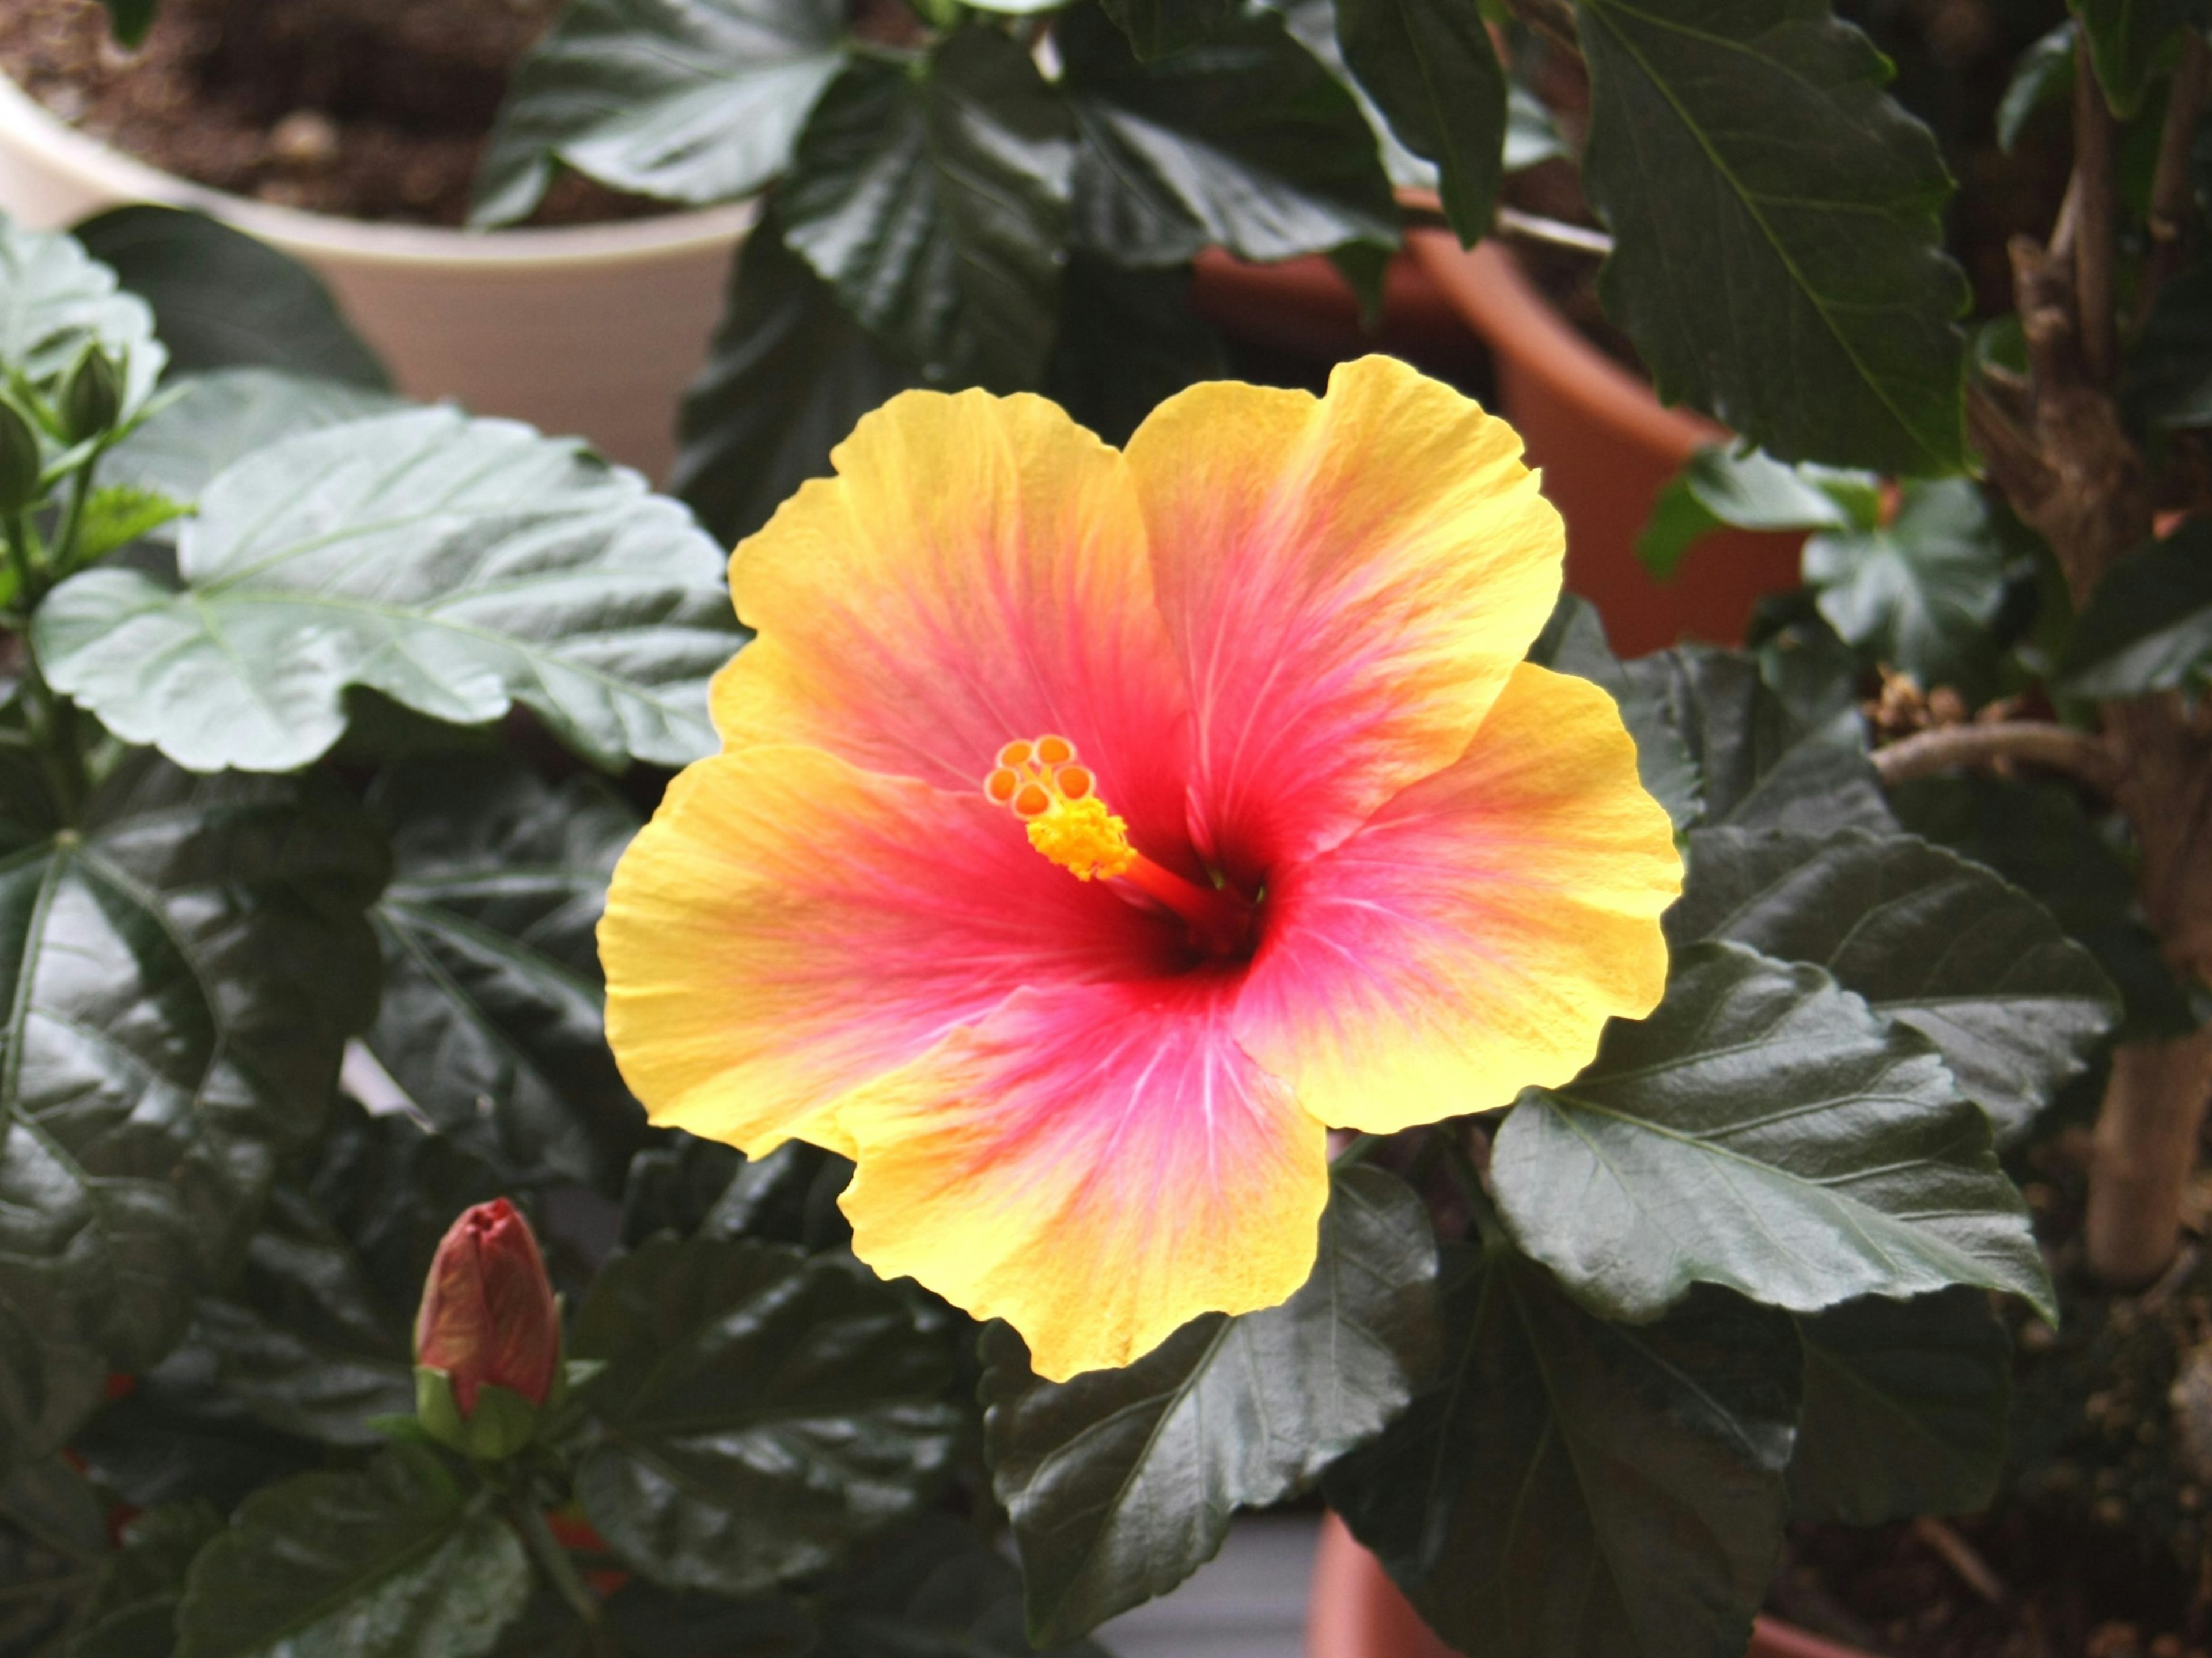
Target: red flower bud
488,1314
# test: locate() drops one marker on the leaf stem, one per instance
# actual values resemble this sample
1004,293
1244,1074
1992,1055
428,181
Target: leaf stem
64,552
553,1561
2170,194
2095,215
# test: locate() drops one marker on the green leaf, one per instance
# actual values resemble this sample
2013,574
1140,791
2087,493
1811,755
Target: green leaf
457,566
1778,259
2037,836
50,1500
1749,489
2167,380
131,1612
933,1589
2044,71
129,20
222,300
789,375
653,1622
2148,627
53,298
760,1410
1762,1130
223,417
690,100
1943,946
936,205
182,970
117,514
1531,135
396,1561
1121,1484
1246,142
1923,591
702,1188
1312,24
1158,27
1574,1489
492,1017
1905,1403
1127,342
2126,39
1430,66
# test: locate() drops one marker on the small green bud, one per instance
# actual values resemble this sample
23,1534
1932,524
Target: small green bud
19,461
91,395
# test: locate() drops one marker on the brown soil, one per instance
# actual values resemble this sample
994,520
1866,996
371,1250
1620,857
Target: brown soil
372,109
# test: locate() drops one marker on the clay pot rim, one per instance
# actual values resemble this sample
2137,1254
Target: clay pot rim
103,170
1485,283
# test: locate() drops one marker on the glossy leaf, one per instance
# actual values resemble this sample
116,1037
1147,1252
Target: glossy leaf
933,1589
1763,1131
1157,27
652,1622
1246,142
760,1410
131,1612
399,1560
702,1188
2148,627
1127,342
2044,70
1778,257
935,203
1119,1483
1750,491
690,100
789,375
492,1019
1982,970
2126,39
180,1437
1574,1489
1430,67
2167,380
51,1499
1905,1403
223,300
1312,24
224,416
54,297
457,566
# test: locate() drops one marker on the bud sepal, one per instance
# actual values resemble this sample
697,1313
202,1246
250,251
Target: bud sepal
502,1423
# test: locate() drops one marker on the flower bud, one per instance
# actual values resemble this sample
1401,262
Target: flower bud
91,395
19,460
488,1336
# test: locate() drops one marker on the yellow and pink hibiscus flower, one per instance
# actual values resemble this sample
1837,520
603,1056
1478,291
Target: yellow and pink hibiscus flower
1096,828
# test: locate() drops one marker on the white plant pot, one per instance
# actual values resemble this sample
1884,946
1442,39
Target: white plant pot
592,330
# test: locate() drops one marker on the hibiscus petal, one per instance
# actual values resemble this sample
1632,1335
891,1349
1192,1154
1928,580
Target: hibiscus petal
1348,581
1473,938
975,574
1096,1164
789,928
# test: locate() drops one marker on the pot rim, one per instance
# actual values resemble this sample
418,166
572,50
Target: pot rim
102,170
1486,284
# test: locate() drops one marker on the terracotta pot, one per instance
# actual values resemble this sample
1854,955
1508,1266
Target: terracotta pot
592,330
1358,1613
1304,308
1608,447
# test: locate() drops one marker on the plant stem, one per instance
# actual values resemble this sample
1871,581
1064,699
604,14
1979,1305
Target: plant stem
553,1560
2088,760
2095,220
1538,227
2145,1151
64,547
2170,195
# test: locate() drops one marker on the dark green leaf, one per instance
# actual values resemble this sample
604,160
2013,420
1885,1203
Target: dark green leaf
787,377
690,100
1979,968
458,566
1157,27
701,1188
1127,341
1749,489
117,514
2168,378
49,1499
397,1561
1779,259
54,297
1904,1409
936,205
1119,1483
1575,1489
760,1409
181,1437
1430,66
131,1612
222,300
129,20
1573,641
653,1622
1312,24
2148,627
492,1018
2044,70
223,417
2037,836
2126,39
933,1589
1763,1129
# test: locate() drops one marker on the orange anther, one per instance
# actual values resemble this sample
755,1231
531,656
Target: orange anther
1001,783
1033,801
1074,781
1055,750
1015,754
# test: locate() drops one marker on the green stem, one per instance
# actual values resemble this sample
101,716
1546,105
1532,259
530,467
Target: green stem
64,548
553,1560
18,530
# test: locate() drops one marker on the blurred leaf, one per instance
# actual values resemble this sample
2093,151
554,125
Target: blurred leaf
690,100
54,297
223,417
222,300
396,1561
129,20
933,1589
1127,342
1312,24
2147,626
789,375
131,1612
1779,258
935,203
760,1410
1531,135
180,1437
117,514
2167,379
2037,836
1764,1131
2044,71
653,1622
492,1016
1572,1487
1157,27
1750,491
2126,39
1119,1483
50,1500
1430,66
1573,641
1922,593
458,566
701,1188
1904,1409
1979,968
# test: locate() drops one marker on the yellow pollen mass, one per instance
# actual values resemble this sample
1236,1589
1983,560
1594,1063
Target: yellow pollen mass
1084,838
1039,782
